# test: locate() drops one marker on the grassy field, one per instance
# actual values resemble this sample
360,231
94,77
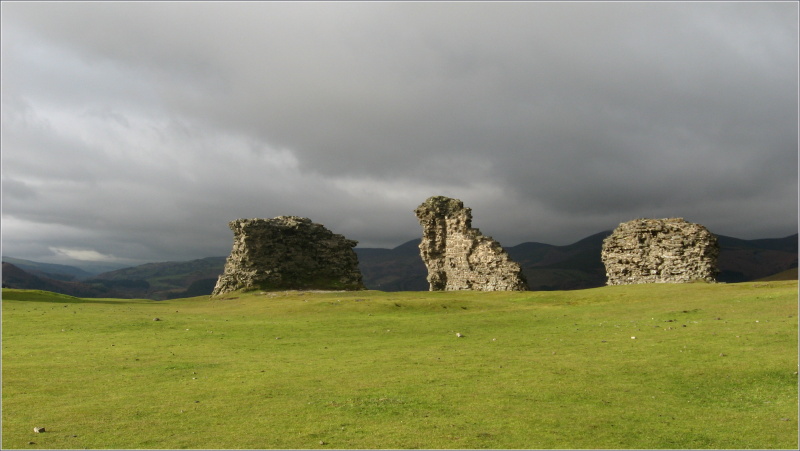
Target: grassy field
646,366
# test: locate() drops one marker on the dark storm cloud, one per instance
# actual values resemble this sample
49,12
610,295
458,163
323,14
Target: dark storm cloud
138,130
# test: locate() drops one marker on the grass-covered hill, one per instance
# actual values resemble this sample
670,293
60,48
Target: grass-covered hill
547,267
743,260
397,269
168,279
710,366
14,276
163,280
65,273
577,265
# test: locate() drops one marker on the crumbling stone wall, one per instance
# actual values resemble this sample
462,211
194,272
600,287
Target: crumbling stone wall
660,251
288,252
459,257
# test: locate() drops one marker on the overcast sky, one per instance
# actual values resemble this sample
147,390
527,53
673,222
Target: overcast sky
135,131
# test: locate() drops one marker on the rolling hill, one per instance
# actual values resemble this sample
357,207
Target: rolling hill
16,277
167,280
547,267
50,270
570,267
744,260
398,269
578,265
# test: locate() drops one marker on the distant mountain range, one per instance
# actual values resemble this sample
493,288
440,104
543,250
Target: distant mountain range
547,267
49,270
160,281
576,266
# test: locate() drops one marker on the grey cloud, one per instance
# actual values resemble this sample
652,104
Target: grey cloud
551,120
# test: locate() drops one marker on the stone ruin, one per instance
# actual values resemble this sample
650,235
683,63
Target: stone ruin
660,251
459,257
288,252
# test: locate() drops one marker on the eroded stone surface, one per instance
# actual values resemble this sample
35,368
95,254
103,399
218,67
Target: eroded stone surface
288,252
459,257
668,250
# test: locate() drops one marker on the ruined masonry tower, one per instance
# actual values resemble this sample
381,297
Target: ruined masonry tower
660,251
291,253
459,257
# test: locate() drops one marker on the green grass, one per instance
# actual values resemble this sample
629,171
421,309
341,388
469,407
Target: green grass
712,366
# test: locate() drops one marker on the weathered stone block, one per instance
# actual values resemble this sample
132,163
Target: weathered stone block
459,257
660,251
291,253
